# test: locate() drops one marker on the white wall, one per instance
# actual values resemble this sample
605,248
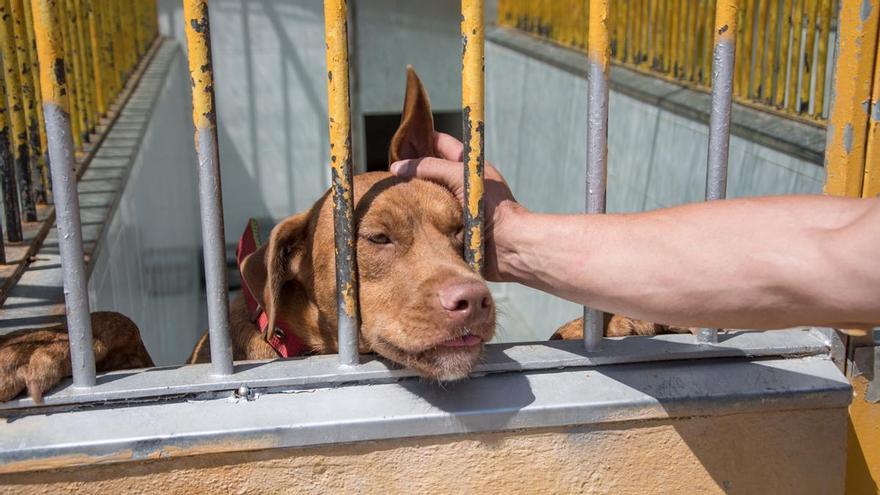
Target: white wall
148,265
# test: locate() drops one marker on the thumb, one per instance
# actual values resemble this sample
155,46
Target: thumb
444,172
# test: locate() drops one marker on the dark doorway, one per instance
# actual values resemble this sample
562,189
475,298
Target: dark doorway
379,128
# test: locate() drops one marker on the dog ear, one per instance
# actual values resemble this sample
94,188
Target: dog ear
414,137
268,268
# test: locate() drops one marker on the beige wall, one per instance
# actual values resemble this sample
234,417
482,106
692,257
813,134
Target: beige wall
797,452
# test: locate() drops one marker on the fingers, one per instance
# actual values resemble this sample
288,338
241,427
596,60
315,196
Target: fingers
449,147
445,172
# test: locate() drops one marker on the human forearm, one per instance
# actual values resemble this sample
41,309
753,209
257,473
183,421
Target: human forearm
757,263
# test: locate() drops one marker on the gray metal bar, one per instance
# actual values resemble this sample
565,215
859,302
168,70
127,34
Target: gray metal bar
719,119
599,54
198,38
319,371
339,112
76,294
64,182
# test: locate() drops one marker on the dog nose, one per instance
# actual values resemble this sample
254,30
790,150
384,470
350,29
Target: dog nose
466,302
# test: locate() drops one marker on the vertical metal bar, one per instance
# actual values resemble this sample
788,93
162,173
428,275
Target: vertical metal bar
339,111
20,147
719,119
599,55
96,69
7,170
38,97
871,186
28,100
198,38
55,107
472,91
845,149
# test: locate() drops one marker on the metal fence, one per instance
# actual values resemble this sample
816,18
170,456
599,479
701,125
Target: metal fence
88,49
58,94
786,51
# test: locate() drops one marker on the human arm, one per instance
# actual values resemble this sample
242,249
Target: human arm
769,262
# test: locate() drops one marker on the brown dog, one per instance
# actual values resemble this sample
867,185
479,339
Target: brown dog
420,304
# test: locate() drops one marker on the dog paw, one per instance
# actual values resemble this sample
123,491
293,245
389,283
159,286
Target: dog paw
35,361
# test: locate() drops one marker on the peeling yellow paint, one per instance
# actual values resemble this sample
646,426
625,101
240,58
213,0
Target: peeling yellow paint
15,98
863,462
845,151
871,186
195,14
472,103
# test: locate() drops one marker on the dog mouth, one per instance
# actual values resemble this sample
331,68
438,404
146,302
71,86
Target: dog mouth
467,340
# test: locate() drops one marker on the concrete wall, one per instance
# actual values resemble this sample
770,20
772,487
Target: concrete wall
794,452
148,266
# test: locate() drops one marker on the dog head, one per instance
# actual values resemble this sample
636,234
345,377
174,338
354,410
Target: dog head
421,306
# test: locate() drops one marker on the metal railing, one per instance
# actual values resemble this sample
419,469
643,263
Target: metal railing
786,57
56,95
99,43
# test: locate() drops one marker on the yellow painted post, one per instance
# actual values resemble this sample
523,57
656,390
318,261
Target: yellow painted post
797,22
824,55
768,63
679,37
20,145
652,29
70,72
808,83
871,187
845,150
204,114
8,184
28,100
92,18
781,57
43,159
86,83
339,110
708,30
472,87
55,98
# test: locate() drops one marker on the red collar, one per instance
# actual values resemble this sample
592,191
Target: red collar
283,339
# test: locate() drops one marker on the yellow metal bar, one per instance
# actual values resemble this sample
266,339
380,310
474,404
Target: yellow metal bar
768,62
472,87
28,100
653,27
781,56
15,99
678,38
797,22
92,17
826,12
708,33
70,72
845,151
812,12
11,209
871,187
43,159
339,110
85,82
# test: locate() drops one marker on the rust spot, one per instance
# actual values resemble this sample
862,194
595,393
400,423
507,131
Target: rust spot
723,29
199,26
58,69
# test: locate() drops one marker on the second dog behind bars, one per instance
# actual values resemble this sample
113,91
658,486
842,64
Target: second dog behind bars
421,306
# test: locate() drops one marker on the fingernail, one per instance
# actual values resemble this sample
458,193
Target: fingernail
398,167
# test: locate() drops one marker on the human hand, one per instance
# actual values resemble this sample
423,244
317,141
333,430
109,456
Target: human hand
498,200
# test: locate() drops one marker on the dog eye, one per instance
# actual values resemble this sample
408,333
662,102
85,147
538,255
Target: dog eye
379,239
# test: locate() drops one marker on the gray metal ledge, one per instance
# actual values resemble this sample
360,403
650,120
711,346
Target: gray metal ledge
418,408
177,382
